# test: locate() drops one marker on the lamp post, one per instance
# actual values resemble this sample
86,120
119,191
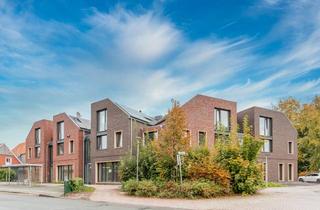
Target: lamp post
266,170
138,150
179,162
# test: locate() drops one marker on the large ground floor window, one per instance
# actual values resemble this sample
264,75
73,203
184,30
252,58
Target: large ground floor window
65,172
108,172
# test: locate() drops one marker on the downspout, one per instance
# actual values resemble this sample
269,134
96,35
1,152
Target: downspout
131,141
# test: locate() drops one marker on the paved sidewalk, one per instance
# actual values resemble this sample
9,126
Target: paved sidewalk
291,198
48,190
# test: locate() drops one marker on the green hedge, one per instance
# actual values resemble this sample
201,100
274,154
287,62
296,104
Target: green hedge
188,189
4,173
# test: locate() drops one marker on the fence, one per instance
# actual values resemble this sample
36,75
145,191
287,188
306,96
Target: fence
26,174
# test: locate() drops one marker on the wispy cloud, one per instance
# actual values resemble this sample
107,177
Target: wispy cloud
140,58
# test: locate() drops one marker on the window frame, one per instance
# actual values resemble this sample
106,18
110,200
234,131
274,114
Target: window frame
205,138
217,115
270,146
290,143
290,172
37,136
115,139
58,144
282,171
59,131
105,120
71,142
29,153
98,144
266,119
37,152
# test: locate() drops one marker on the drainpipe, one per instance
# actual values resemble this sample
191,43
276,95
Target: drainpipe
131,136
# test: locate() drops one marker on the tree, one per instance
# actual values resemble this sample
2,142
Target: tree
291,107
172,139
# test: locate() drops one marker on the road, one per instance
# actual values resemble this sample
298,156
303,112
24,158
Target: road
28,202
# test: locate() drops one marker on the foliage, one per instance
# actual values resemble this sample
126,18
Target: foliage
4,174
200,165
305,118
77,185
275,184
170,189
172,139
147,164
241,161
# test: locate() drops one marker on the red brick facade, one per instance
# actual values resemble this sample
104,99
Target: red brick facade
46,137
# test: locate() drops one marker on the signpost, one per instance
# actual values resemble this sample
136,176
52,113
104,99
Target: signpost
179,162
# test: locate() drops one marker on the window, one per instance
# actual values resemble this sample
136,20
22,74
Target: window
118,139
65,172
102,120
265,125
60,150
290,147
102,142
267,145
37,152
222,119
38,136
71,147
280,173
290,172
107,172
29,153
60,131
8,161
150,136
202,138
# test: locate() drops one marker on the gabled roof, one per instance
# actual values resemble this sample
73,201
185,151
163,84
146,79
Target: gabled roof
81,122
137,114
4,150
19,149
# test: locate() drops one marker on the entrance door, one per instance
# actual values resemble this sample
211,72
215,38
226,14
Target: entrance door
87,161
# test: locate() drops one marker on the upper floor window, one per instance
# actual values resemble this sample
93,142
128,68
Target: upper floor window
29,153
267,145
60,131
71,147
37,152
265,124
222,119
102,142
60,148
290,147
202,138
8,161
37,136
102,120
118,139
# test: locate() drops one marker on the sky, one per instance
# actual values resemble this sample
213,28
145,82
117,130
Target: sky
60,56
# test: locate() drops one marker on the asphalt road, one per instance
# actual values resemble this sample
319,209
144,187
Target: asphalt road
28,202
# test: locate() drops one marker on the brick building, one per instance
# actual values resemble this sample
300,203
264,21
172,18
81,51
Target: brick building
7,157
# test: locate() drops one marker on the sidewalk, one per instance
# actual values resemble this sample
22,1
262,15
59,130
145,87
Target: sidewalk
293,197
48,190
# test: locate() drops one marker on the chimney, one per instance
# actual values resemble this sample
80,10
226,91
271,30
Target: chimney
78,115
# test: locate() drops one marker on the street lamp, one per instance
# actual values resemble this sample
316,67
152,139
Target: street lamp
179,162
138,148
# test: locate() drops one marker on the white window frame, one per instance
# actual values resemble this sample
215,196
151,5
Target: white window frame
292,172
292,148
115,139
205,141
70,147
10,161
281,180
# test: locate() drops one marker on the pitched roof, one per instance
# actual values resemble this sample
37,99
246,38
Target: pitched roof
19,149
81,122
4,150
137,114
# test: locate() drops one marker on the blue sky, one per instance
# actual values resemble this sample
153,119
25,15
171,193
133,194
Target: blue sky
59,56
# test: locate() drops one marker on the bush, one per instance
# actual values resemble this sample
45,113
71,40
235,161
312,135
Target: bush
76,184
4,173
170,189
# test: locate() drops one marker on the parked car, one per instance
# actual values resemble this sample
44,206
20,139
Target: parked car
312,177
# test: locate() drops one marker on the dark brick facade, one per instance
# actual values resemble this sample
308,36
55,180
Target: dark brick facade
117,120
282,133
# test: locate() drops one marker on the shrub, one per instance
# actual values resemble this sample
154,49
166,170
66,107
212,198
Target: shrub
201,166
4,173
130,186
76,184
146,188
202,189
